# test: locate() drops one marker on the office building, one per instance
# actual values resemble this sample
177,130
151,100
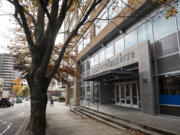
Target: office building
132,60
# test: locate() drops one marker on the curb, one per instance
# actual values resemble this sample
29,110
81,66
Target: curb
23,127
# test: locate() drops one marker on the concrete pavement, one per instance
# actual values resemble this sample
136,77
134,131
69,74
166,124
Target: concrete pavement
162,122
63,122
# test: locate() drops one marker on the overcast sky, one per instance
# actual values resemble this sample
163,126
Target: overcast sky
5,25
6,34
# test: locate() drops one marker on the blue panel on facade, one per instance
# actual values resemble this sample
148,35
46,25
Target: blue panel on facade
169,99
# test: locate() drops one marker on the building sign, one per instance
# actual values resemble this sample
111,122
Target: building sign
126,58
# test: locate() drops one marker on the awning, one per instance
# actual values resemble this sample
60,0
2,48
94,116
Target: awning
108,75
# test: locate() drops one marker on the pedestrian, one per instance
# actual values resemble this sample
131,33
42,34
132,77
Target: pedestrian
51,102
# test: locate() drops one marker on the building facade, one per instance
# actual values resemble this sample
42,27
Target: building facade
56,89
131,61
1,87
7,71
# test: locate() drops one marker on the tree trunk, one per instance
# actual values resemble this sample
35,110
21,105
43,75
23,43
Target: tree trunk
38,91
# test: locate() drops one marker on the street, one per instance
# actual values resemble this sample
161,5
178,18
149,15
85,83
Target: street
11,118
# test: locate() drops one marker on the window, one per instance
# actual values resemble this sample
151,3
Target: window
178,15
118,6
96,59
100,24
86,38
82,68
169,90
73,22
109,51
92,61
87,91
178,20
80,45
88,64
145,32
170,85
102,55
131,39
96,90
163,27
74,51
119,45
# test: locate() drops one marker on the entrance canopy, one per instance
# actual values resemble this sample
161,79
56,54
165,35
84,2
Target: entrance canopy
108,75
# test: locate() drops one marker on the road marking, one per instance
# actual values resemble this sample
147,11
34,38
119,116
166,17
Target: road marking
7,127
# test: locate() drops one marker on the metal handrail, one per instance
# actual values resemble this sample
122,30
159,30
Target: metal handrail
72,102
83,104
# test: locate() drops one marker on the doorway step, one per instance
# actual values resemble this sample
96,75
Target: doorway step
120,123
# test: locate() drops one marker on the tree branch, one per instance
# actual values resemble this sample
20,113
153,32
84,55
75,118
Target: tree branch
44,7
54,10
30,15
74,32
39,28
64,8
24,25
52,31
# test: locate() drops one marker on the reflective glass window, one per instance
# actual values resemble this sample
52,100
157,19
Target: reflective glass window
145,32
102,55
163,27
178,20
115,7
80,45
92,61
170,85
109,51
82,67
86,38
178,15
169,90
73,51
96,59
119,45
131,39
88,92
88,64
101,22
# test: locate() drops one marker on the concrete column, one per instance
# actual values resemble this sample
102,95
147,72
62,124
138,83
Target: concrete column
67,100
77,85
145,78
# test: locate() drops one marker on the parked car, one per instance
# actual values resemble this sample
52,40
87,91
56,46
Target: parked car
6,102
27,99
19,100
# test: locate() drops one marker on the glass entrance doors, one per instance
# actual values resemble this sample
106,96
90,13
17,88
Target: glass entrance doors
126,94
96,93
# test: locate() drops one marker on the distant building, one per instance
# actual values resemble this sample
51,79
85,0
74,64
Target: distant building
1,86
7,71
57,89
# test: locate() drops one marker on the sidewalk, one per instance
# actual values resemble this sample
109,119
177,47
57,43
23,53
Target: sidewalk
63,122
